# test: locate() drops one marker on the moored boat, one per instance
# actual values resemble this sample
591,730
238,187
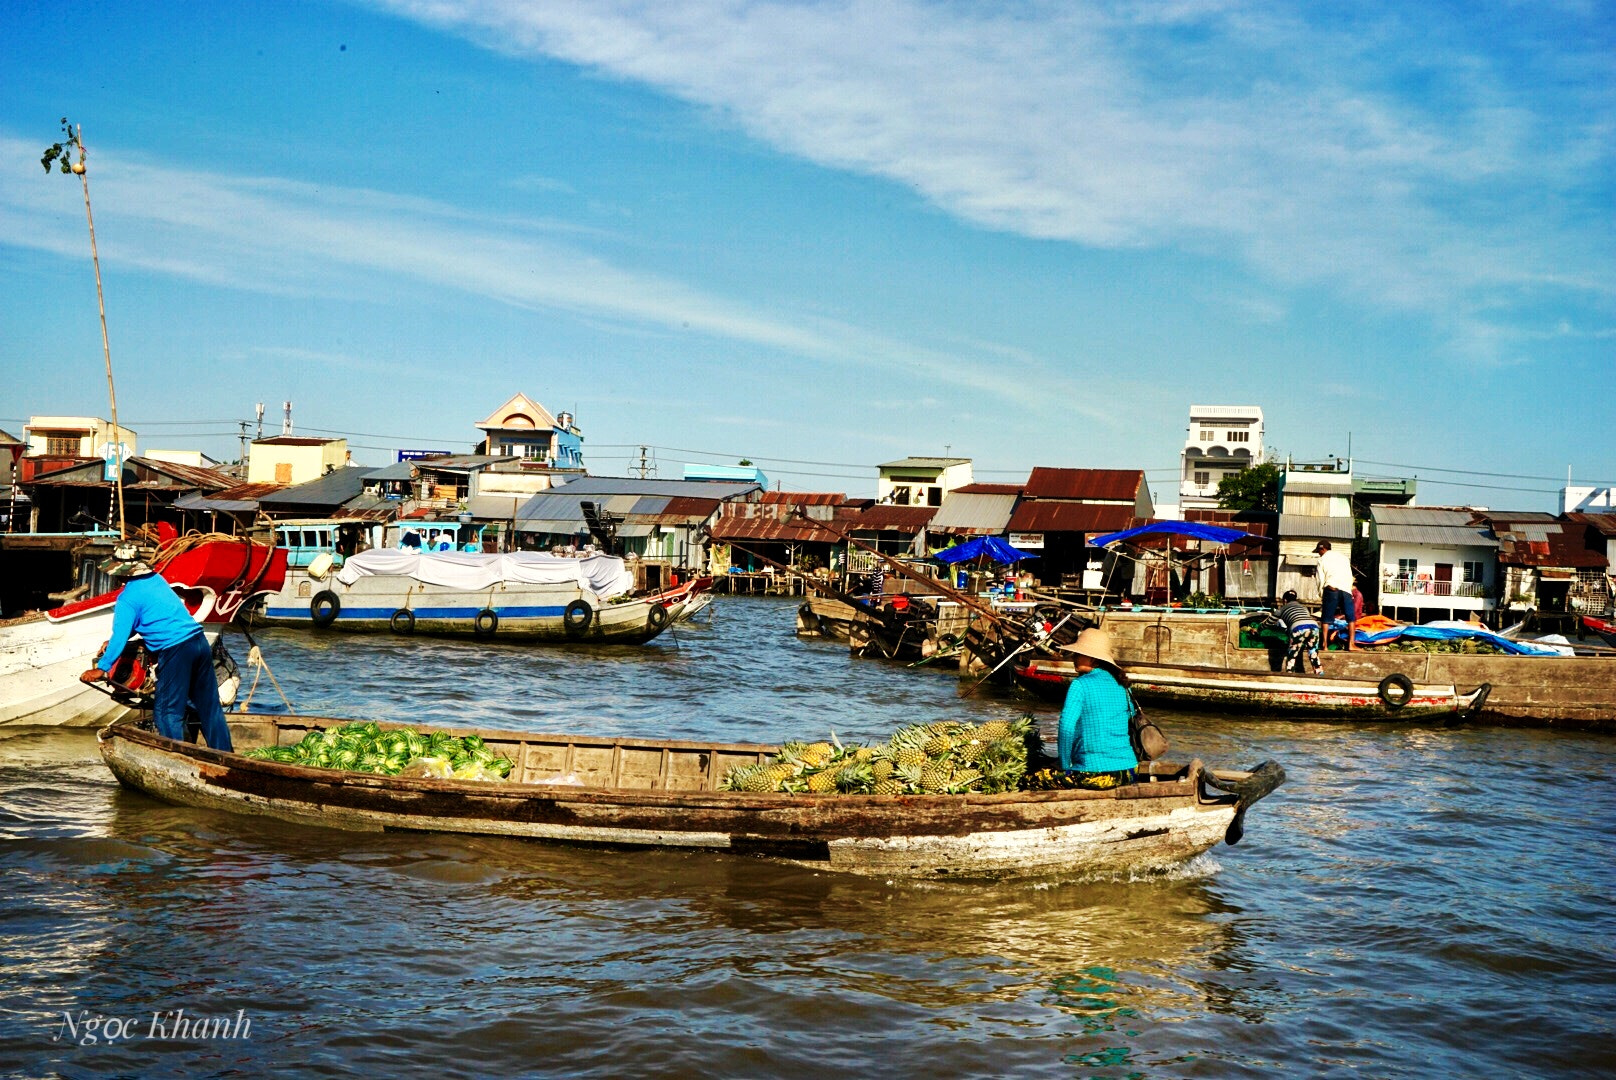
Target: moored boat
1394,697
639,793
526,595
42,653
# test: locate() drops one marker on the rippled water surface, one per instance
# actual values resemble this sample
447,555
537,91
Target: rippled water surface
1413,902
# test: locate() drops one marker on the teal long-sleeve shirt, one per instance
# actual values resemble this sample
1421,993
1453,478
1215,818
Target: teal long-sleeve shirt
1094,725
149,607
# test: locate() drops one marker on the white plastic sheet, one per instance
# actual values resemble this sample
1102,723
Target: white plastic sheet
604,575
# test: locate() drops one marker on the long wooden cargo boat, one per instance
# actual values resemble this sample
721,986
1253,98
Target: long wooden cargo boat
1571,692
644,793
1394,697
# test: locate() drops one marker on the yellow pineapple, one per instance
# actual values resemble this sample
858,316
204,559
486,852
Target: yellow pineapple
889,787
934,779
822,781
993,729
881,769
911,756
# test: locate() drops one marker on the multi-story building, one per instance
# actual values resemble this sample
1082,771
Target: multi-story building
59,442
1435,563
921,481
294,459
1315,503
522,428
1222,439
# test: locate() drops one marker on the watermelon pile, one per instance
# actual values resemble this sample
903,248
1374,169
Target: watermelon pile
366,747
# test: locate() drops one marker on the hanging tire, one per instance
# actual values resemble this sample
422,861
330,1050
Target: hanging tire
1395,690
576,619
657,617
486,622
324,608
403,621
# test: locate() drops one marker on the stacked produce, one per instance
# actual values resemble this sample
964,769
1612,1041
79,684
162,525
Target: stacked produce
1461,646
365,747
943,758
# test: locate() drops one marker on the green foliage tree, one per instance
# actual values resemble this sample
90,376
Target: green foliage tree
1255,488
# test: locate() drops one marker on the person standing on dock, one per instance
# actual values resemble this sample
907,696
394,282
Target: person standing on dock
148,606
1095,747
1303,629
1335,579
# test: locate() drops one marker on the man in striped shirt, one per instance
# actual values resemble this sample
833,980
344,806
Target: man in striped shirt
1304,632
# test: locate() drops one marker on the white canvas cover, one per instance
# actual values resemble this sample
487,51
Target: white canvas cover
603,575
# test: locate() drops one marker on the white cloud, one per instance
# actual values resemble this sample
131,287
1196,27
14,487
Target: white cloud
1385,153
288,238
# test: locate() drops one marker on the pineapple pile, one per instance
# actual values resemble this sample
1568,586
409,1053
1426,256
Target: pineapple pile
942,758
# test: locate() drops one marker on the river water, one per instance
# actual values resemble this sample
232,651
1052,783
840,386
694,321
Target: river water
1413,902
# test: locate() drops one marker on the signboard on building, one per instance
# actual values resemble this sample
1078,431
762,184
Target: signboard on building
1027,541
417,455
114,454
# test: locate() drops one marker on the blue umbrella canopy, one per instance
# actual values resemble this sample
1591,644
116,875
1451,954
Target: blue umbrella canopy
990,546
1194,529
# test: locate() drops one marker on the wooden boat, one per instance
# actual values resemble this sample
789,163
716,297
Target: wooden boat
643,793
520,595
1572,692
1394,697
1603,629
43,653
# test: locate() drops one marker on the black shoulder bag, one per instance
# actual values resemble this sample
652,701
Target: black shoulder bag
1149,743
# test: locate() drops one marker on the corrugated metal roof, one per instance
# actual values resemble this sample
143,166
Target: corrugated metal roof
196,476
1313,486
399,470
925,463
803,498
1107,484
1313,527
1604,524
591,486
884,518
796,530
494,507
1051,516
971,512
332,489
457,463
987,489
1435,535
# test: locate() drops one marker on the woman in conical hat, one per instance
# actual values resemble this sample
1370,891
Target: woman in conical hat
1095,748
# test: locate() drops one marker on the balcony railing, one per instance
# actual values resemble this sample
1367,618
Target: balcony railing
1414,585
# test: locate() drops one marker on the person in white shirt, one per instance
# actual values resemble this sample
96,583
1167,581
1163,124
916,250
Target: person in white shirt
1335,580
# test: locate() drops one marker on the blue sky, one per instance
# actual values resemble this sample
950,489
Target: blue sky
827,235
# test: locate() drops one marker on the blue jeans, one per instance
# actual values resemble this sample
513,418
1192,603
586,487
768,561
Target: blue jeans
185,676
1336,602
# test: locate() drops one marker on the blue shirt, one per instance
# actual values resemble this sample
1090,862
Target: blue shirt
1094,725
149,607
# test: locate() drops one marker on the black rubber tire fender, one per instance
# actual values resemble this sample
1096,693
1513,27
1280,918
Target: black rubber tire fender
1396,690
1480,701
324,608
402,621
577,617
657,617
485,623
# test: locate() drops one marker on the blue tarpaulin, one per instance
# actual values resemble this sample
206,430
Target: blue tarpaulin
990,546
1449,632
1195,530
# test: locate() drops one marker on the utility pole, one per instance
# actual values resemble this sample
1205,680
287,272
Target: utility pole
242,460
644,467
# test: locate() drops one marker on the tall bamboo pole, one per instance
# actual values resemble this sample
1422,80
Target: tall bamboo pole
106,345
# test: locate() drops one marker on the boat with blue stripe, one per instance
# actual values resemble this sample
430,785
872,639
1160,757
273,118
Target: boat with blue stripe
520,595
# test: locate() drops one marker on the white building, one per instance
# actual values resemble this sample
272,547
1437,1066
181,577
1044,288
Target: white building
1222,439
921,481
1315,503
1434,563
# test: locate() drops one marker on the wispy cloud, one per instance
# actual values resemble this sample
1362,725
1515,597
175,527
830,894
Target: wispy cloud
282,237
1383,152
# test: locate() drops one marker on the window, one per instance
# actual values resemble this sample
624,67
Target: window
1407,567
1208,436
1203,479
1238,436
61,446
934,496
900,496
1474,572
283,472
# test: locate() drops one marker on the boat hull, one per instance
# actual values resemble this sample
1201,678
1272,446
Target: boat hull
1290,696
637,793
534,612
1577,693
